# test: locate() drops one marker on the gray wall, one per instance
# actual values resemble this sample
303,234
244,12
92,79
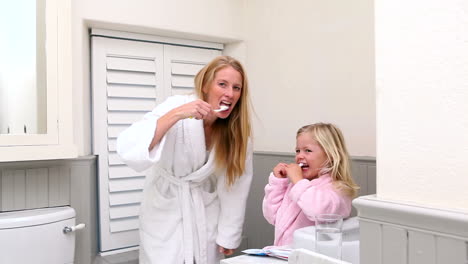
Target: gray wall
395,232
38,184
74,182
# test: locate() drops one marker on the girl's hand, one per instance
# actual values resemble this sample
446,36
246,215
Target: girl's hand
225,251
197,109
280,170
294,172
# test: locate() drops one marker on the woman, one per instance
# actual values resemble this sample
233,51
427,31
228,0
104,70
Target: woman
200,164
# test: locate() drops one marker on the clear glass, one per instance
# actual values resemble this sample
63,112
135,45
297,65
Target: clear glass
23,106
329,235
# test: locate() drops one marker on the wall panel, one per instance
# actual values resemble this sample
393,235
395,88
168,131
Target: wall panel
36,184
411,234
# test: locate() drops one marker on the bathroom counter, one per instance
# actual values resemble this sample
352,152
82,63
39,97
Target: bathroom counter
250,259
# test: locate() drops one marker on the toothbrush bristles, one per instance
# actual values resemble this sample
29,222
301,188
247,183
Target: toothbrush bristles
221,108
301,164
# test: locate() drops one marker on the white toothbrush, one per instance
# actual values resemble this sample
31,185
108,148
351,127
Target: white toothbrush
221,108
301,164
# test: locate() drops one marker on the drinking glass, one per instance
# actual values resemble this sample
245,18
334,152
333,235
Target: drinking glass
328,234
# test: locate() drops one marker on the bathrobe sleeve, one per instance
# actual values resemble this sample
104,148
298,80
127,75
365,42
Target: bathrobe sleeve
233,202
133,142
319,199
274,195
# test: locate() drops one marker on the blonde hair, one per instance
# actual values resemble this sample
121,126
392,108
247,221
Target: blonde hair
331,140
230,136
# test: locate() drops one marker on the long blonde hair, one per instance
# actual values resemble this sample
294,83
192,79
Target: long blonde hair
331,140
230,136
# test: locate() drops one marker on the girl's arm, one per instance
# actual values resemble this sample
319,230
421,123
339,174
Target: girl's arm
274,195
319,199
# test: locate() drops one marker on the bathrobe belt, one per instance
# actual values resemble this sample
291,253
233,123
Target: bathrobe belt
190,192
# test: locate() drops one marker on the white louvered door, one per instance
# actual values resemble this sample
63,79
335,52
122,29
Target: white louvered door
127,82
181,64
129,79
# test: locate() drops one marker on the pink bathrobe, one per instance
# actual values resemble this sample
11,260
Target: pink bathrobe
290,206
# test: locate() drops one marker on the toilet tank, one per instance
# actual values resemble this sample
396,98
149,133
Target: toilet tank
36,236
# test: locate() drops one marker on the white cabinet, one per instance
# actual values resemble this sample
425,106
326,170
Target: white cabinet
131,74
57,140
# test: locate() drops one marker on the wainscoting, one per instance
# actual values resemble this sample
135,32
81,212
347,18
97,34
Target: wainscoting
29,185
395,232
38,184
34,185
391,232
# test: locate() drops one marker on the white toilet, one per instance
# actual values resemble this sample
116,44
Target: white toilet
38,236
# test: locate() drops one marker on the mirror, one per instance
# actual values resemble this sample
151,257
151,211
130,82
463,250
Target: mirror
35,48
23,92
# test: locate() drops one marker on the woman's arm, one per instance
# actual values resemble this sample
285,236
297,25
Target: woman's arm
141,144
197,109
233,201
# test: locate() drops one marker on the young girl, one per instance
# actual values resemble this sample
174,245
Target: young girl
319,182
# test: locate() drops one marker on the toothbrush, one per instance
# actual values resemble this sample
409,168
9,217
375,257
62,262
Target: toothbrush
301,164
221,108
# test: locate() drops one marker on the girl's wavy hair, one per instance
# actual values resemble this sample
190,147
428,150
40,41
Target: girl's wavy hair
229,136
332,142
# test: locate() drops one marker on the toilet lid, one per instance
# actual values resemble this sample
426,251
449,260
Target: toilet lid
34,217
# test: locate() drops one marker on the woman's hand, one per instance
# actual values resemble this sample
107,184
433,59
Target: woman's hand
225,251
294,172
197,109
280,170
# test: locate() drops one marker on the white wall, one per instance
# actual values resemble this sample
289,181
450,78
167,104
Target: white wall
307,61
311,61
422,95
209,20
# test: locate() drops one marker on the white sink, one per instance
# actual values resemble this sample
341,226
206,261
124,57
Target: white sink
305,238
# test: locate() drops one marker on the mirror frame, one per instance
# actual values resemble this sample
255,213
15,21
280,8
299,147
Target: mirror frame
57,143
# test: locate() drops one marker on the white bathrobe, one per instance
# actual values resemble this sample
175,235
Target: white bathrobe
187,209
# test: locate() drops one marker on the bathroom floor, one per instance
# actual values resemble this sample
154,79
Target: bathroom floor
130,257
